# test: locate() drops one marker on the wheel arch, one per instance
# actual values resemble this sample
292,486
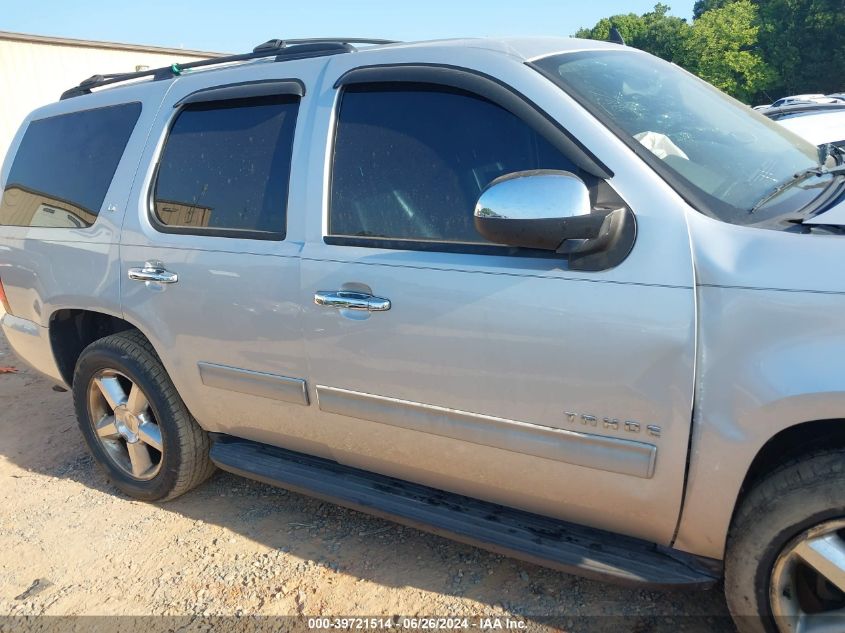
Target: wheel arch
790,443
725,476
73,329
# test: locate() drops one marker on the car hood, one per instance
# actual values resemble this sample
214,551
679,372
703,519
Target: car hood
820,128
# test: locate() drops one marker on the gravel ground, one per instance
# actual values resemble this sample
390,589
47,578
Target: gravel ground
71,545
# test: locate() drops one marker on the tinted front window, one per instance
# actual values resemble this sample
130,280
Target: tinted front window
64,166
410,161
731,156
226,166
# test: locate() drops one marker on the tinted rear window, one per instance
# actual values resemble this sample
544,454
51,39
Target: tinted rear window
226,166
64,166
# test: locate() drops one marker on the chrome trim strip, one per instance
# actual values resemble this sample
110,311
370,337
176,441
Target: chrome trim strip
254,383
581,449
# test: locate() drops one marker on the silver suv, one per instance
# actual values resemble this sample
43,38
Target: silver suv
556,298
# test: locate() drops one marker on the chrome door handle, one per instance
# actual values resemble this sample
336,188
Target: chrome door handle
351,300
155,272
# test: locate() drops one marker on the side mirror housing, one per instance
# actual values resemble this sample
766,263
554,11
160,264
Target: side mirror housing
551,210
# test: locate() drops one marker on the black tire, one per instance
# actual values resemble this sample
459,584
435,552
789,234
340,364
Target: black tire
792,499
184,459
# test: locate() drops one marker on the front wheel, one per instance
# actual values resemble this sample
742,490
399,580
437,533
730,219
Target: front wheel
134,422
785,560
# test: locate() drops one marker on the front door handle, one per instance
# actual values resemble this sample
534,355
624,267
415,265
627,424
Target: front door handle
351,300
153,272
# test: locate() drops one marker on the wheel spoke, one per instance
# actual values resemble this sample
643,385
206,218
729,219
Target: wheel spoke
139,457
106,428
112,390
150,434
825,554
137,401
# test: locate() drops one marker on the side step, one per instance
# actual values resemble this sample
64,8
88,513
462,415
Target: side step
549,542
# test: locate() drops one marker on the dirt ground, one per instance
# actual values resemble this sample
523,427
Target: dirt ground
71,545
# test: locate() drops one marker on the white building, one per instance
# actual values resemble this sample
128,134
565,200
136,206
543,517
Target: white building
36,70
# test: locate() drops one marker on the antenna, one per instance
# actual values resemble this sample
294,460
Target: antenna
616,36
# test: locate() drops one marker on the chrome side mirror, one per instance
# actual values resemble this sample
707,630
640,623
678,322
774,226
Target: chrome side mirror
536,209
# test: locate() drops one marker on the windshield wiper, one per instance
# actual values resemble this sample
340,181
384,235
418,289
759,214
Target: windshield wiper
800,177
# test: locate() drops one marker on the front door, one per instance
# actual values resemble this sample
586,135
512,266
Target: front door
494,373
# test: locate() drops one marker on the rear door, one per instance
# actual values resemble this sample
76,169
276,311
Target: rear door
495,372
210,273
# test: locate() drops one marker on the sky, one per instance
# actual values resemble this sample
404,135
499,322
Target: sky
234,27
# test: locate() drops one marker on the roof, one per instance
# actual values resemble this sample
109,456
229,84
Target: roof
526,48
117,46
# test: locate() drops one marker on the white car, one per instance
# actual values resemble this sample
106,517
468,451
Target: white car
818,123
808,98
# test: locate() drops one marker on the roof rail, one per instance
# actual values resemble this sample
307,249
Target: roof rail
281,49
276,44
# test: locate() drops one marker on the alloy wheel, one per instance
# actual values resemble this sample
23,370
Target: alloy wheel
125,425
807,590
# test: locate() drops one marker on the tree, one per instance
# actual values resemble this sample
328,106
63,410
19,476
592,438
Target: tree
722,49
655,32
749,48
805,41
703,6
664,35
720,46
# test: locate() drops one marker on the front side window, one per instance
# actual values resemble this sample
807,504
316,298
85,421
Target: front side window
410,161
729,156
225,168
64,166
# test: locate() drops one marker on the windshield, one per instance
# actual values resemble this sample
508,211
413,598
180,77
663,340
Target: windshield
724,156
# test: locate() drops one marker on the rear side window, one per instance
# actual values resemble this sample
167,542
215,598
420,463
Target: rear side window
410,161
64,166
225,168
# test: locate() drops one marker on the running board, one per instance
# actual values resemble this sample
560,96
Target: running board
570,548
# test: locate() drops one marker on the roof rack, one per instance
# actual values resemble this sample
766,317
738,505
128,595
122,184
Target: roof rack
281,49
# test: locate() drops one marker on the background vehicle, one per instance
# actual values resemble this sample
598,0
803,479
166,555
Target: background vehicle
605,338
798,99
818,123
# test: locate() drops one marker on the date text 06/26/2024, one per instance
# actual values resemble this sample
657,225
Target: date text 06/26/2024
417,623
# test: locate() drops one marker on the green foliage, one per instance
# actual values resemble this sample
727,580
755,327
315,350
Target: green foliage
702,6
721,49
656,32
756,50
804,40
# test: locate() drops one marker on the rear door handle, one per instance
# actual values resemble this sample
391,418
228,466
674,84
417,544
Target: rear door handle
155,272
351,300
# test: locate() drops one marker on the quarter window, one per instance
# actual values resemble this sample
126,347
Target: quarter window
64,166
410,161
225,168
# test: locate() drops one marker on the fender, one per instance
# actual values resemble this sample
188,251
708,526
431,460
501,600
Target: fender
771,355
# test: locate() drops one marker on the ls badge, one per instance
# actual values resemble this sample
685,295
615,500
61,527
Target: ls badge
612,424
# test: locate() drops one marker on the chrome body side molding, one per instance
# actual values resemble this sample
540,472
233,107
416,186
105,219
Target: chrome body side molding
254,383
610,454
